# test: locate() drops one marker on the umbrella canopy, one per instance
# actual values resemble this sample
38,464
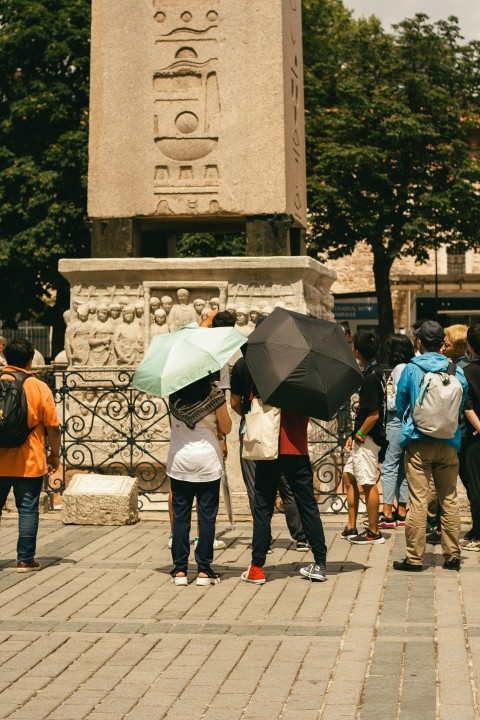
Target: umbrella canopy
174,360
302,364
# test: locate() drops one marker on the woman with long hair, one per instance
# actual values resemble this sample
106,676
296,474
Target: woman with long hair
392,473
199,422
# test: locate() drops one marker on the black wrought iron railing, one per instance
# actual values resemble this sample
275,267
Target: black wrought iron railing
110,428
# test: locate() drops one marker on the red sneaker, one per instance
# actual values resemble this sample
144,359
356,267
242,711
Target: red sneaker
254,575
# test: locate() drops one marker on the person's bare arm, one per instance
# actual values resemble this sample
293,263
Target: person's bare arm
236,403
370,421
224,420
54,435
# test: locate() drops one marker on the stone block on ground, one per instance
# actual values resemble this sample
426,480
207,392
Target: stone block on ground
100,500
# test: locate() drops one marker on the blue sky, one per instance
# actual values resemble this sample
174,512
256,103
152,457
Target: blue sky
467,11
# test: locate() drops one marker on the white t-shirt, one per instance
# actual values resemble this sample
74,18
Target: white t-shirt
194,455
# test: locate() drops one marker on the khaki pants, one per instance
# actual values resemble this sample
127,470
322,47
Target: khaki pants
427,460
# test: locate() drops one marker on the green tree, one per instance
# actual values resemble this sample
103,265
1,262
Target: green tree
211,245
390,123
44,55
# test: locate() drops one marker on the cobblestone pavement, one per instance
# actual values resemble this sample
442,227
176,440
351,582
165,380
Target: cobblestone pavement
101,633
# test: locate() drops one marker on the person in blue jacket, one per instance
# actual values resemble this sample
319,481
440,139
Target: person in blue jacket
427,457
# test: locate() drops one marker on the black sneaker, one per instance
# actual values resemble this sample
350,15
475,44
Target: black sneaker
302,546
349,533
367,537
434,538
453,564
405,565
314,572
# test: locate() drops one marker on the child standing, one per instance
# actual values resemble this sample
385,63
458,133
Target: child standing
365,443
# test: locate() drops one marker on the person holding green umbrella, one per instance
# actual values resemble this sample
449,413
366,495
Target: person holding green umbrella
180,365
199,421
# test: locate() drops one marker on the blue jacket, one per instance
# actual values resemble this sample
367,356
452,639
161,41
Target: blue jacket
408,389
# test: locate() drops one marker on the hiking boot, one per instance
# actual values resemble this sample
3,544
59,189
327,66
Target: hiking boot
302,546
453,564
24,567
314,572
434,538
473,545
254,575
405,565
211,577
386,523
178,579
349,533
367,537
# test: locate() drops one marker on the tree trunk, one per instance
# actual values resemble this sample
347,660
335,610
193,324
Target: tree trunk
381,270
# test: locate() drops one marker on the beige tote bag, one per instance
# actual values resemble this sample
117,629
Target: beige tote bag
262,430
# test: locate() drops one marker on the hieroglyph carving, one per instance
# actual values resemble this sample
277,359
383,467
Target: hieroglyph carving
186,107
295,44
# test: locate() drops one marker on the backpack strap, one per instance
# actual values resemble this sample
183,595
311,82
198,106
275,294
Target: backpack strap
18,375
452,368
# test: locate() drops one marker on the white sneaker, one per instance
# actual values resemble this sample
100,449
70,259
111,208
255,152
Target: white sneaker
217,544
178,579
212,578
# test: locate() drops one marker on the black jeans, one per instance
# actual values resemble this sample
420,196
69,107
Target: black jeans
297,470
292,516
469,472
27,493
183,494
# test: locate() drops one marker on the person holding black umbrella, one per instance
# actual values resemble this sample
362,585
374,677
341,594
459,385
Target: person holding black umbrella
294,464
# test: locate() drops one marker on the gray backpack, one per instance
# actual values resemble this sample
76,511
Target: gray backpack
436,411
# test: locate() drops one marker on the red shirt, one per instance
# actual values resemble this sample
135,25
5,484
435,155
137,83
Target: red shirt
293,434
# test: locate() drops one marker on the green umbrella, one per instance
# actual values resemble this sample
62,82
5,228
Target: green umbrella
174,360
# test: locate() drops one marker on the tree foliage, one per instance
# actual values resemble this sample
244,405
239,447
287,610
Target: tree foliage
44,55
211,245
391,122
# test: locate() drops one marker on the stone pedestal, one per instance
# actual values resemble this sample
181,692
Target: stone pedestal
100,500
246,286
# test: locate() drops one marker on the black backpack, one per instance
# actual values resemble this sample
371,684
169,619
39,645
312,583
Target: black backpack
14,429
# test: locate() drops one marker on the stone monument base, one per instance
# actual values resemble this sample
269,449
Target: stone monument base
100,500
119,304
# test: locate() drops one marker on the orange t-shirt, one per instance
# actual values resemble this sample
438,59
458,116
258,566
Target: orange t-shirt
30,460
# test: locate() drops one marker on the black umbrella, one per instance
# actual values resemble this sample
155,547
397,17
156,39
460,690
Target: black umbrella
303,364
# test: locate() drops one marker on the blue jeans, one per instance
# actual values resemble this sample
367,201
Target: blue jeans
27,493
183,494
392,472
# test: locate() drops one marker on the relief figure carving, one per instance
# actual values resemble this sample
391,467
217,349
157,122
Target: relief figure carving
101,337
183,313
159,326
127,340
79,335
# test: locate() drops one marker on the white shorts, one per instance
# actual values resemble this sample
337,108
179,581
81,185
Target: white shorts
363,461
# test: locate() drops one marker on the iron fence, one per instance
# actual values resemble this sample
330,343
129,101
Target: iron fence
110,428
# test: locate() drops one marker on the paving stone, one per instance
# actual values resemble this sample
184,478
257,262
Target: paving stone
107,637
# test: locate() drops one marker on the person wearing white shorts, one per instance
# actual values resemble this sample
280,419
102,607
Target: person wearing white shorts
365,444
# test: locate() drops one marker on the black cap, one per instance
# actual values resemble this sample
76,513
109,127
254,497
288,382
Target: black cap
431,332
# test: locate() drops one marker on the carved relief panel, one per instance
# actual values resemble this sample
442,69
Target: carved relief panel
187,107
